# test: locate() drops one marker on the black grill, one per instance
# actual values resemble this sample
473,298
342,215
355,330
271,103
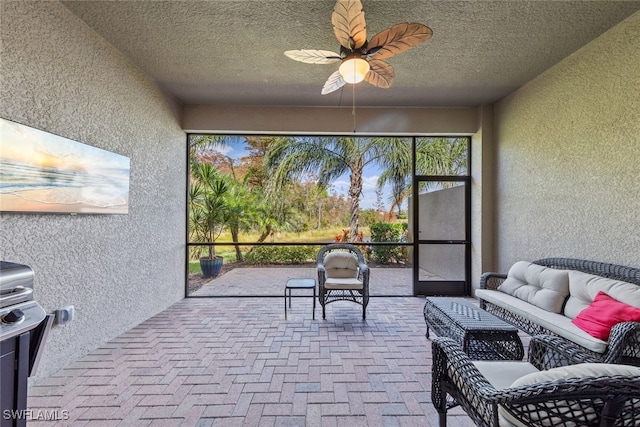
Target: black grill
24,326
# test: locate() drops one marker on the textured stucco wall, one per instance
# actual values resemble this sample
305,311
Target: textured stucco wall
568,157
482,196
117,270
446,121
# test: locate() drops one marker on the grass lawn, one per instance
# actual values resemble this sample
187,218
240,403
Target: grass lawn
324,235
228,252
310,236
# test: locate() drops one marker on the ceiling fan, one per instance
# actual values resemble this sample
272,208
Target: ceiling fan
361,60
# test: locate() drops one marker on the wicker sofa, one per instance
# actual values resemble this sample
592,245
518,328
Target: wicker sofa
548,296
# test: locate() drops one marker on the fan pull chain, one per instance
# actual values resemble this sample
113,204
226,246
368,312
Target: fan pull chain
353,112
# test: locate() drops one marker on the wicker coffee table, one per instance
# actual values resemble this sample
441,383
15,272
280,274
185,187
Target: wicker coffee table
482,335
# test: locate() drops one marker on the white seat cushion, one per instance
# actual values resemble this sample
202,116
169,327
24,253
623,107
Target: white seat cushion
556,323
502,373
343,283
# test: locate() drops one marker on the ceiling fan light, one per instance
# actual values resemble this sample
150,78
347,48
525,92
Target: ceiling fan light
353,70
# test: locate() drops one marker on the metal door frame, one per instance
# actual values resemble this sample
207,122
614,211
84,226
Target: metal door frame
442,287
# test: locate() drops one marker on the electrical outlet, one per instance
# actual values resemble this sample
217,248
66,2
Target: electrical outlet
65,315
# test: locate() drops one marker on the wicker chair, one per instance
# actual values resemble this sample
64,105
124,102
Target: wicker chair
598,400
343,275
624,341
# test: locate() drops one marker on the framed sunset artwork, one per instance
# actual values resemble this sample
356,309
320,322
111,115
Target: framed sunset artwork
45,173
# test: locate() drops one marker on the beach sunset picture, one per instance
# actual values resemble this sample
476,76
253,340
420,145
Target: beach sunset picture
42,172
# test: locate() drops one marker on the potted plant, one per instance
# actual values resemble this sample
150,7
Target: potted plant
208,213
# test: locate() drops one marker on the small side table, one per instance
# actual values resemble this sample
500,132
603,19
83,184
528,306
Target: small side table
299,284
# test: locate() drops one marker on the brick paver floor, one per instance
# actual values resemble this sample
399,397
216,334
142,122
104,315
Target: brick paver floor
237,362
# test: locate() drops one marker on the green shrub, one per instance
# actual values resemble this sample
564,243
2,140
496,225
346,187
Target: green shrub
281,254
388,232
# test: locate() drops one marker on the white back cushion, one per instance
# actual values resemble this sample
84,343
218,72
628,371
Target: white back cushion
543,287
341,265
582,370
584,287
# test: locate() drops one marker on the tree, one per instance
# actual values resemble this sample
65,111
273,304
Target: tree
241,210
319,196
273,209
328,158
379,202
210,164
208,211
200,145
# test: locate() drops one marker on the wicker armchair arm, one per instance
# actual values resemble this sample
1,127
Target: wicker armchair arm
548,351
624,344
452,365
363,271
364,268
491,280
322,274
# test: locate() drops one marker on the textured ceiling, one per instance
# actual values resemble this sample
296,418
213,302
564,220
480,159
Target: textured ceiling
231,52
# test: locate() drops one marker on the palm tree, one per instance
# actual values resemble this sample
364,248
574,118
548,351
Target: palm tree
434,156
441,156
397,171
199,144
328,158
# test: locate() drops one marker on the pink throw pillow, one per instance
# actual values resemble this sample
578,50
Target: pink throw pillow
603,313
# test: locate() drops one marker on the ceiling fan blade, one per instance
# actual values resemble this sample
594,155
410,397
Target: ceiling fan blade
311,56
334,83
380,74
397,39
349,25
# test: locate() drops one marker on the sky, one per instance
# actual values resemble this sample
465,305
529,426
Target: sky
369,186
32,146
